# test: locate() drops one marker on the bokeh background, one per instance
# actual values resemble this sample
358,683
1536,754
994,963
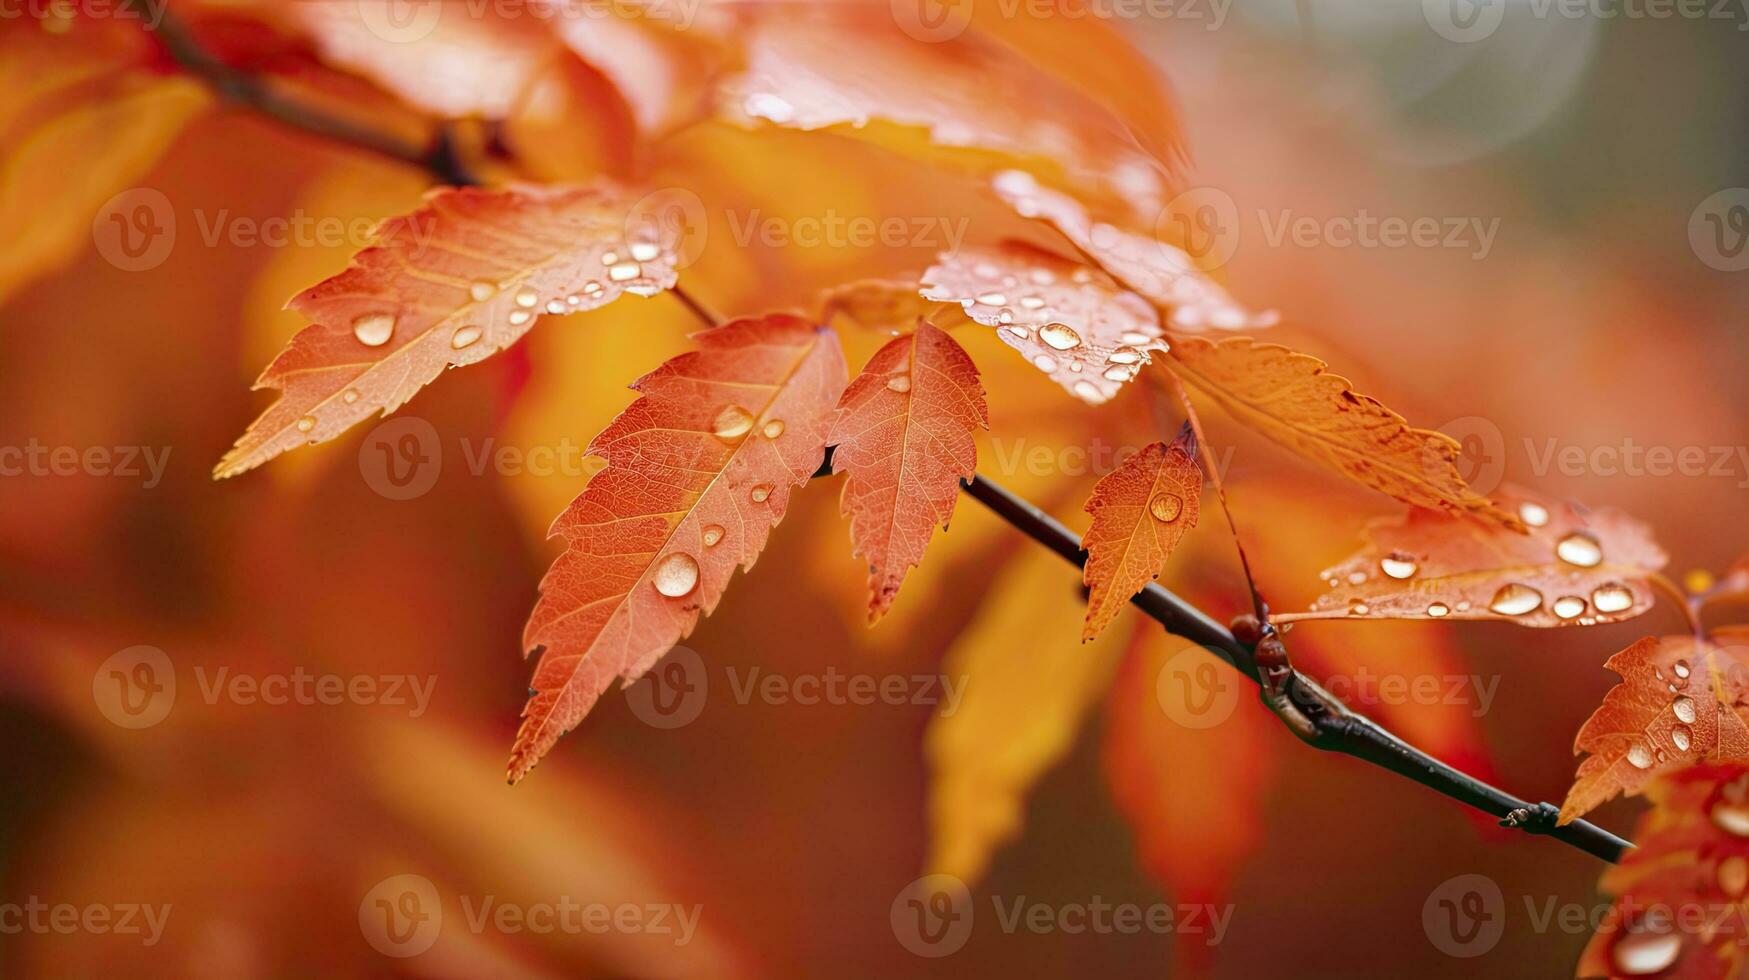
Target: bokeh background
1598,314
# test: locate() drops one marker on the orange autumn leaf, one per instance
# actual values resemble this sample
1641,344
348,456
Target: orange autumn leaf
1072,322
1162,272
889,305
699,470
1141,510
1574,567
1691,853
449,284
1682,700
853,69
1293,399
903,433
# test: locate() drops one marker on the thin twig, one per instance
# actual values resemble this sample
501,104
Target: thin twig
1338,728
698,309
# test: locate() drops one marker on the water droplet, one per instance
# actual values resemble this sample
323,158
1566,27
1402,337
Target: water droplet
1514,599
609,258
1463,605
1683,707
306,423
676,575
1166,507
643,287
1579,549
1398,565
592,288
900,383
645,251
713,533
732,422
1569,606
625,272
374,329
1533,514
1119,372
773,429
556,306
992,299
1355,578
1734,875
526,297
1059,336
1125,355
1640,953
1680,668
761,493
350,396
1438,610
1090,392
1640,756
1045,362
1732,818
519,317
573,300
1136,337
1612,597
465,337
1020,331
1679,737
481,290
1031,303
1358,608
764,105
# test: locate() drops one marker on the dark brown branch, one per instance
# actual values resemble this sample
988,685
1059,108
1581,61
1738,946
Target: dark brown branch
1334,727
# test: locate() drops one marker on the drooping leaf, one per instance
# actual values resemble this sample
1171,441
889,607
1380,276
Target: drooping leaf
1191,785
1682,700
903,433
851,68
1690,854
1574,567
699,470
1291,398
1027,690
1072,322
888,305
1140,511
1160,271
452,283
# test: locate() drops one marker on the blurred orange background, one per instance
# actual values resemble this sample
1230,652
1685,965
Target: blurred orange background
1589,317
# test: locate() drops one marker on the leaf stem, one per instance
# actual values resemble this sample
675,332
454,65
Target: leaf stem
697,309
1337,728
1690,607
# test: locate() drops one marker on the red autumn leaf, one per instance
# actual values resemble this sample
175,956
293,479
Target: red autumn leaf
851,68
452,283
1072,322
1682,700
904,434
1162,272
698,472
1574,567
1691,853
1141,510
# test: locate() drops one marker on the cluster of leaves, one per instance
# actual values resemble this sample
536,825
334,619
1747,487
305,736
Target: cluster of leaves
701,467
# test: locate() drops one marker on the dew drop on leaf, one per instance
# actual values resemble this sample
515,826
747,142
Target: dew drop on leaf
1640,756
1679,736
900,383
1569,606
676,575
761,493
1398,565
374,329
1612,597
1640,953
645,251
520,317
1681,668
482,290
350,396
526,297
773,428
1683,707
465,336
1060,336
1579,549
1166,507
732,422
625,271
713,533
1533,514
1438,610
1515,599
1732,818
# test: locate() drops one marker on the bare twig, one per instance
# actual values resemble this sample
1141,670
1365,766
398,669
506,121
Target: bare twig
1333,726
